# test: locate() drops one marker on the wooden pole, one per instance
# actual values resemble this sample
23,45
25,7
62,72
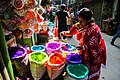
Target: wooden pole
5,54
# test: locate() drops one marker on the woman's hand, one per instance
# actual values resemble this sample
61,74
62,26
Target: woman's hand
62,34
80,47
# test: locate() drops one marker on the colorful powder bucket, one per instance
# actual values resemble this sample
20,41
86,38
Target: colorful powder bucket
77,71
38,48
17,52
56,60
73,58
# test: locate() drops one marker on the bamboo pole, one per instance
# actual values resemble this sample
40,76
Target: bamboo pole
3,69
5,54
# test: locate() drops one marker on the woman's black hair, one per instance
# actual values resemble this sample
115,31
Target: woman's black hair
86,13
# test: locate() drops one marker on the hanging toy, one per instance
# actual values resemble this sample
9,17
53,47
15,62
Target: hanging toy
18,4
30,15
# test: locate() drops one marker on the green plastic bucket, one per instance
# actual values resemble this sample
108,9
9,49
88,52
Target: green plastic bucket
37,64
77,71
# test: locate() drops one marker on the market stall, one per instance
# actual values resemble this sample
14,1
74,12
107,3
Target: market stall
33,49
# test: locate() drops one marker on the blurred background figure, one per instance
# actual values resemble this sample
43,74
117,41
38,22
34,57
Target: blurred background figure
51,17
61,20
70,20
117,20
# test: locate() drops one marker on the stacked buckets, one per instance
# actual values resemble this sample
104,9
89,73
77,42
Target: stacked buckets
75,69
37,64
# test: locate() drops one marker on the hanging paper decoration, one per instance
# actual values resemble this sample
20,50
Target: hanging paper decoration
23,26
18,4
20,12
30,3
30,15
27,33
39,18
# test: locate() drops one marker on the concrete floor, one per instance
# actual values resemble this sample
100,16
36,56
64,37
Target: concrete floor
112,72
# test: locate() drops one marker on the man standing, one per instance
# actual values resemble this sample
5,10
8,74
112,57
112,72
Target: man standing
61,18
117,19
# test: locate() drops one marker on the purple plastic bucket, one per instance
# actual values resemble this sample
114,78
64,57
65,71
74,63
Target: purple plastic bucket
73,58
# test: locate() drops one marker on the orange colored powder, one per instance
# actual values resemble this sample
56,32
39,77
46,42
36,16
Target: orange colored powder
56,59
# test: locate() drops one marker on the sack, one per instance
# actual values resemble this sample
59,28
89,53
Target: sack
37,64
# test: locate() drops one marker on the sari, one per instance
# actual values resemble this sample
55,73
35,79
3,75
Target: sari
94,54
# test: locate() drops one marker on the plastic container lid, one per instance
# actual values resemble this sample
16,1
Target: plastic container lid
77,71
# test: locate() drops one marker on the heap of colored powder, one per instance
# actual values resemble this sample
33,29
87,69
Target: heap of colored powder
38,57
53,45
56,59
16,52
38,48
77,70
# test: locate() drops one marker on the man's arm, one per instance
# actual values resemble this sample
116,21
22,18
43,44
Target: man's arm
56,20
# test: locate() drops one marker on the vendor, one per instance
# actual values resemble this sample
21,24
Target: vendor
91,44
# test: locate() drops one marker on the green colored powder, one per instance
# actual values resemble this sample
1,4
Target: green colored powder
38,57
77,70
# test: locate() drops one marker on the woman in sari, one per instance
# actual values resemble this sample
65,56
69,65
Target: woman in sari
91,44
